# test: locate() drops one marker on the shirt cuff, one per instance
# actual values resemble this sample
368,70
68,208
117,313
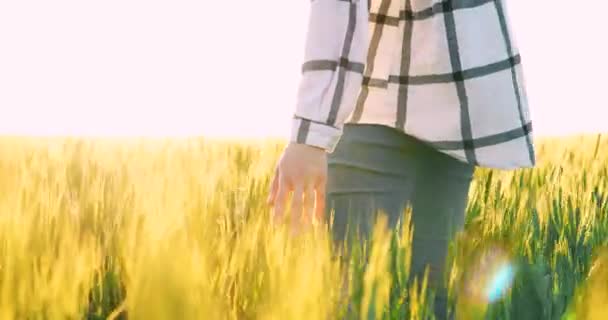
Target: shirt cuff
316,134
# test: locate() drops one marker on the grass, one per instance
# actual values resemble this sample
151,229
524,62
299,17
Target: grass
179,229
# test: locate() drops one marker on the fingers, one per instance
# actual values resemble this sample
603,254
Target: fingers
273,188
320,201
297,204
280,201
309,205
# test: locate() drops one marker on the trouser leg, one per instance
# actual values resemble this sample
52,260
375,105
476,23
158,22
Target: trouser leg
439,204
354,213
374,168
438,214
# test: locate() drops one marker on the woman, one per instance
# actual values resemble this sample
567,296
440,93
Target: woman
399,101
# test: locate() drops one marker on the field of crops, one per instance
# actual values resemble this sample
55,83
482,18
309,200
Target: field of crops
179,229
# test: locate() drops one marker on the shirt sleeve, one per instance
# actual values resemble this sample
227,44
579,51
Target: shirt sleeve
332,73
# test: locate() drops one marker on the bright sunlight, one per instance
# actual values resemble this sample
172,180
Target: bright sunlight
225,69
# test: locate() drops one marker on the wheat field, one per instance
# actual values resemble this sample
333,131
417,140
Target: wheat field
179,229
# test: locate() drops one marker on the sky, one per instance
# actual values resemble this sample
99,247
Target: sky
231,68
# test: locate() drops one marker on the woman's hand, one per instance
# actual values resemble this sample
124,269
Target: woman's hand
302,169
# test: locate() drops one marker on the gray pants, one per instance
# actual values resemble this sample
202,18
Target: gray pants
375,168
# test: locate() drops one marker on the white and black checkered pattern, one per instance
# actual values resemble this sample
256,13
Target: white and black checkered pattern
447,72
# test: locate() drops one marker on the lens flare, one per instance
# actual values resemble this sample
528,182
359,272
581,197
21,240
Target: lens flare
500,283
490,276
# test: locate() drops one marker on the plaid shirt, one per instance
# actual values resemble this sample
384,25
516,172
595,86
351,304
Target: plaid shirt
447,72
